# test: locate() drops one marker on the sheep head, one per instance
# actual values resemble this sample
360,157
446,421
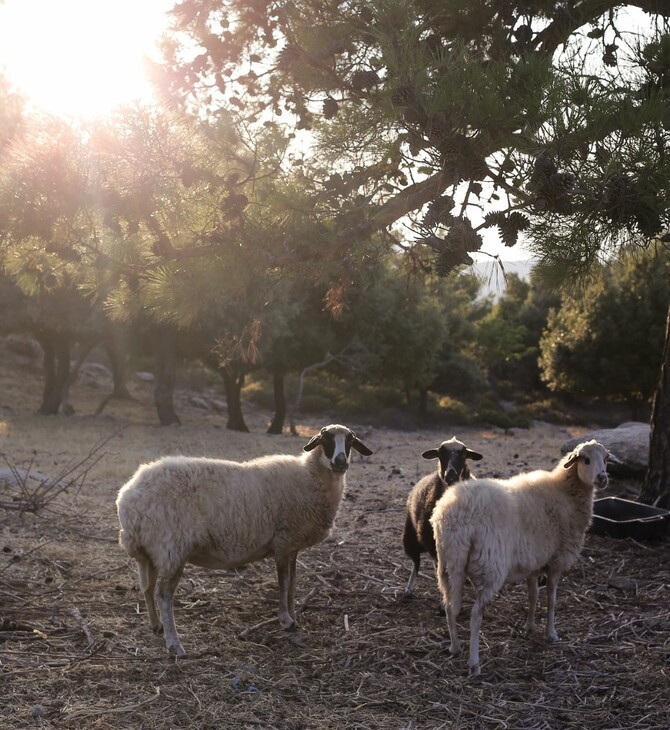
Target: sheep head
591,460
336,442
452,455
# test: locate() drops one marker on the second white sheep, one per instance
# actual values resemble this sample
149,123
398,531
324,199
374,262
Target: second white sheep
494,531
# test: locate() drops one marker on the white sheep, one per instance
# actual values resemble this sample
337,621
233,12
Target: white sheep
417,536
503,531
225,514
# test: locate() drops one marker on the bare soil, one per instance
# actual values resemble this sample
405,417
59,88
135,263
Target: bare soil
76,650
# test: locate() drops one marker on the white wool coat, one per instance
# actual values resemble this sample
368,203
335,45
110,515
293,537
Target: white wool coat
502,531
225,514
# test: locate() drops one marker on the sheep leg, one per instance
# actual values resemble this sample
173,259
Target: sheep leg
451,590
165,593
285,577
147,576
530,626
409,590
552,586
441,606
291,585
410,542
483,597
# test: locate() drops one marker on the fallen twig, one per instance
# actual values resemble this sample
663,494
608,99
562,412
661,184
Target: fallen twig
82,625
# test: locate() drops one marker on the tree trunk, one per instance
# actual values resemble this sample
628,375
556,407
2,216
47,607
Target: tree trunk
233,386
115,343
278,372
56,370
164,342
85,348
423,402
656,489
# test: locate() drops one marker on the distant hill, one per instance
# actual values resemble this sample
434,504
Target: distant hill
492,277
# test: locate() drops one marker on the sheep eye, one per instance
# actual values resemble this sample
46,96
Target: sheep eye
587,461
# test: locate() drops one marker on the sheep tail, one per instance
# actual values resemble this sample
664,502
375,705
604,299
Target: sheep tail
453,557
128,535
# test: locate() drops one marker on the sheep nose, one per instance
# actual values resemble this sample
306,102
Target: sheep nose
340,463
601,480
451,476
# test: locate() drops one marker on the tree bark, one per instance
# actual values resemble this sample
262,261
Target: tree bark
164,342
233,384
56,348
656,489
278,373
423,402
115,343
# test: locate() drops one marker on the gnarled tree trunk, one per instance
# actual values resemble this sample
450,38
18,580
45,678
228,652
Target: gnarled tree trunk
164,342
233,383
278,373
656,488
56,348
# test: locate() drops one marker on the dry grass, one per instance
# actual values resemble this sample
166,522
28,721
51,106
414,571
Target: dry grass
76,651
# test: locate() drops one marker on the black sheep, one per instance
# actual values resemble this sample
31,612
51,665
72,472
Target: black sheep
418,536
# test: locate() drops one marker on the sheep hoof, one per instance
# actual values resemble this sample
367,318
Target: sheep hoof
288,624
157,629
177,650
409,593
552,639
454,652
474,670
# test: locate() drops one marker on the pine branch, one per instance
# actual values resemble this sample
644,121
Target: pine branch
588,11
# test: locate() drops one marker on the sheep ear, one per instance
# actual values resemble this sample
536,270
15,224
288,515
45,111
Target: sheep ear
360,446
572,459
474,455
611,459
430,454
313,442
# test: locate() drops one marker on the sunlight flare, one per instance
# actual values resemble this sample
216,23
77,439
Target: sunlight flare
80,57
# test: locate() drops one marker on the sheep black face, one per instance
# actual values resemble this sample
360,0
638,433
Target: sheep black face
452,455
337,442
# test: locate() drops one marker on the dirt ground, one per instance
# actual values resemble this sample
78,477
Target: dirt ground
76,650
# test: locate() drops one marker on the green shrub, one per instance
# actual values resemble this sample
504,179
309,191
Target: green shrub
454,410
260,393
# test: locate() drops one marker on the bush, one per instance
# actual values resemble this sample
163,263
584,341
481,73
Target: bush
454,410
461,375
260,393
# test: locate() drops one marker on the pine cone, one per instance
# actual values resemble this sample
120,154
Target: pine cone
330,108
562,205
518,220
617,191
559,184
439,212
437,131
362,80
510,225
448,261
609,57
403,96
543,169
287,56
461,236
496,218
475,168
